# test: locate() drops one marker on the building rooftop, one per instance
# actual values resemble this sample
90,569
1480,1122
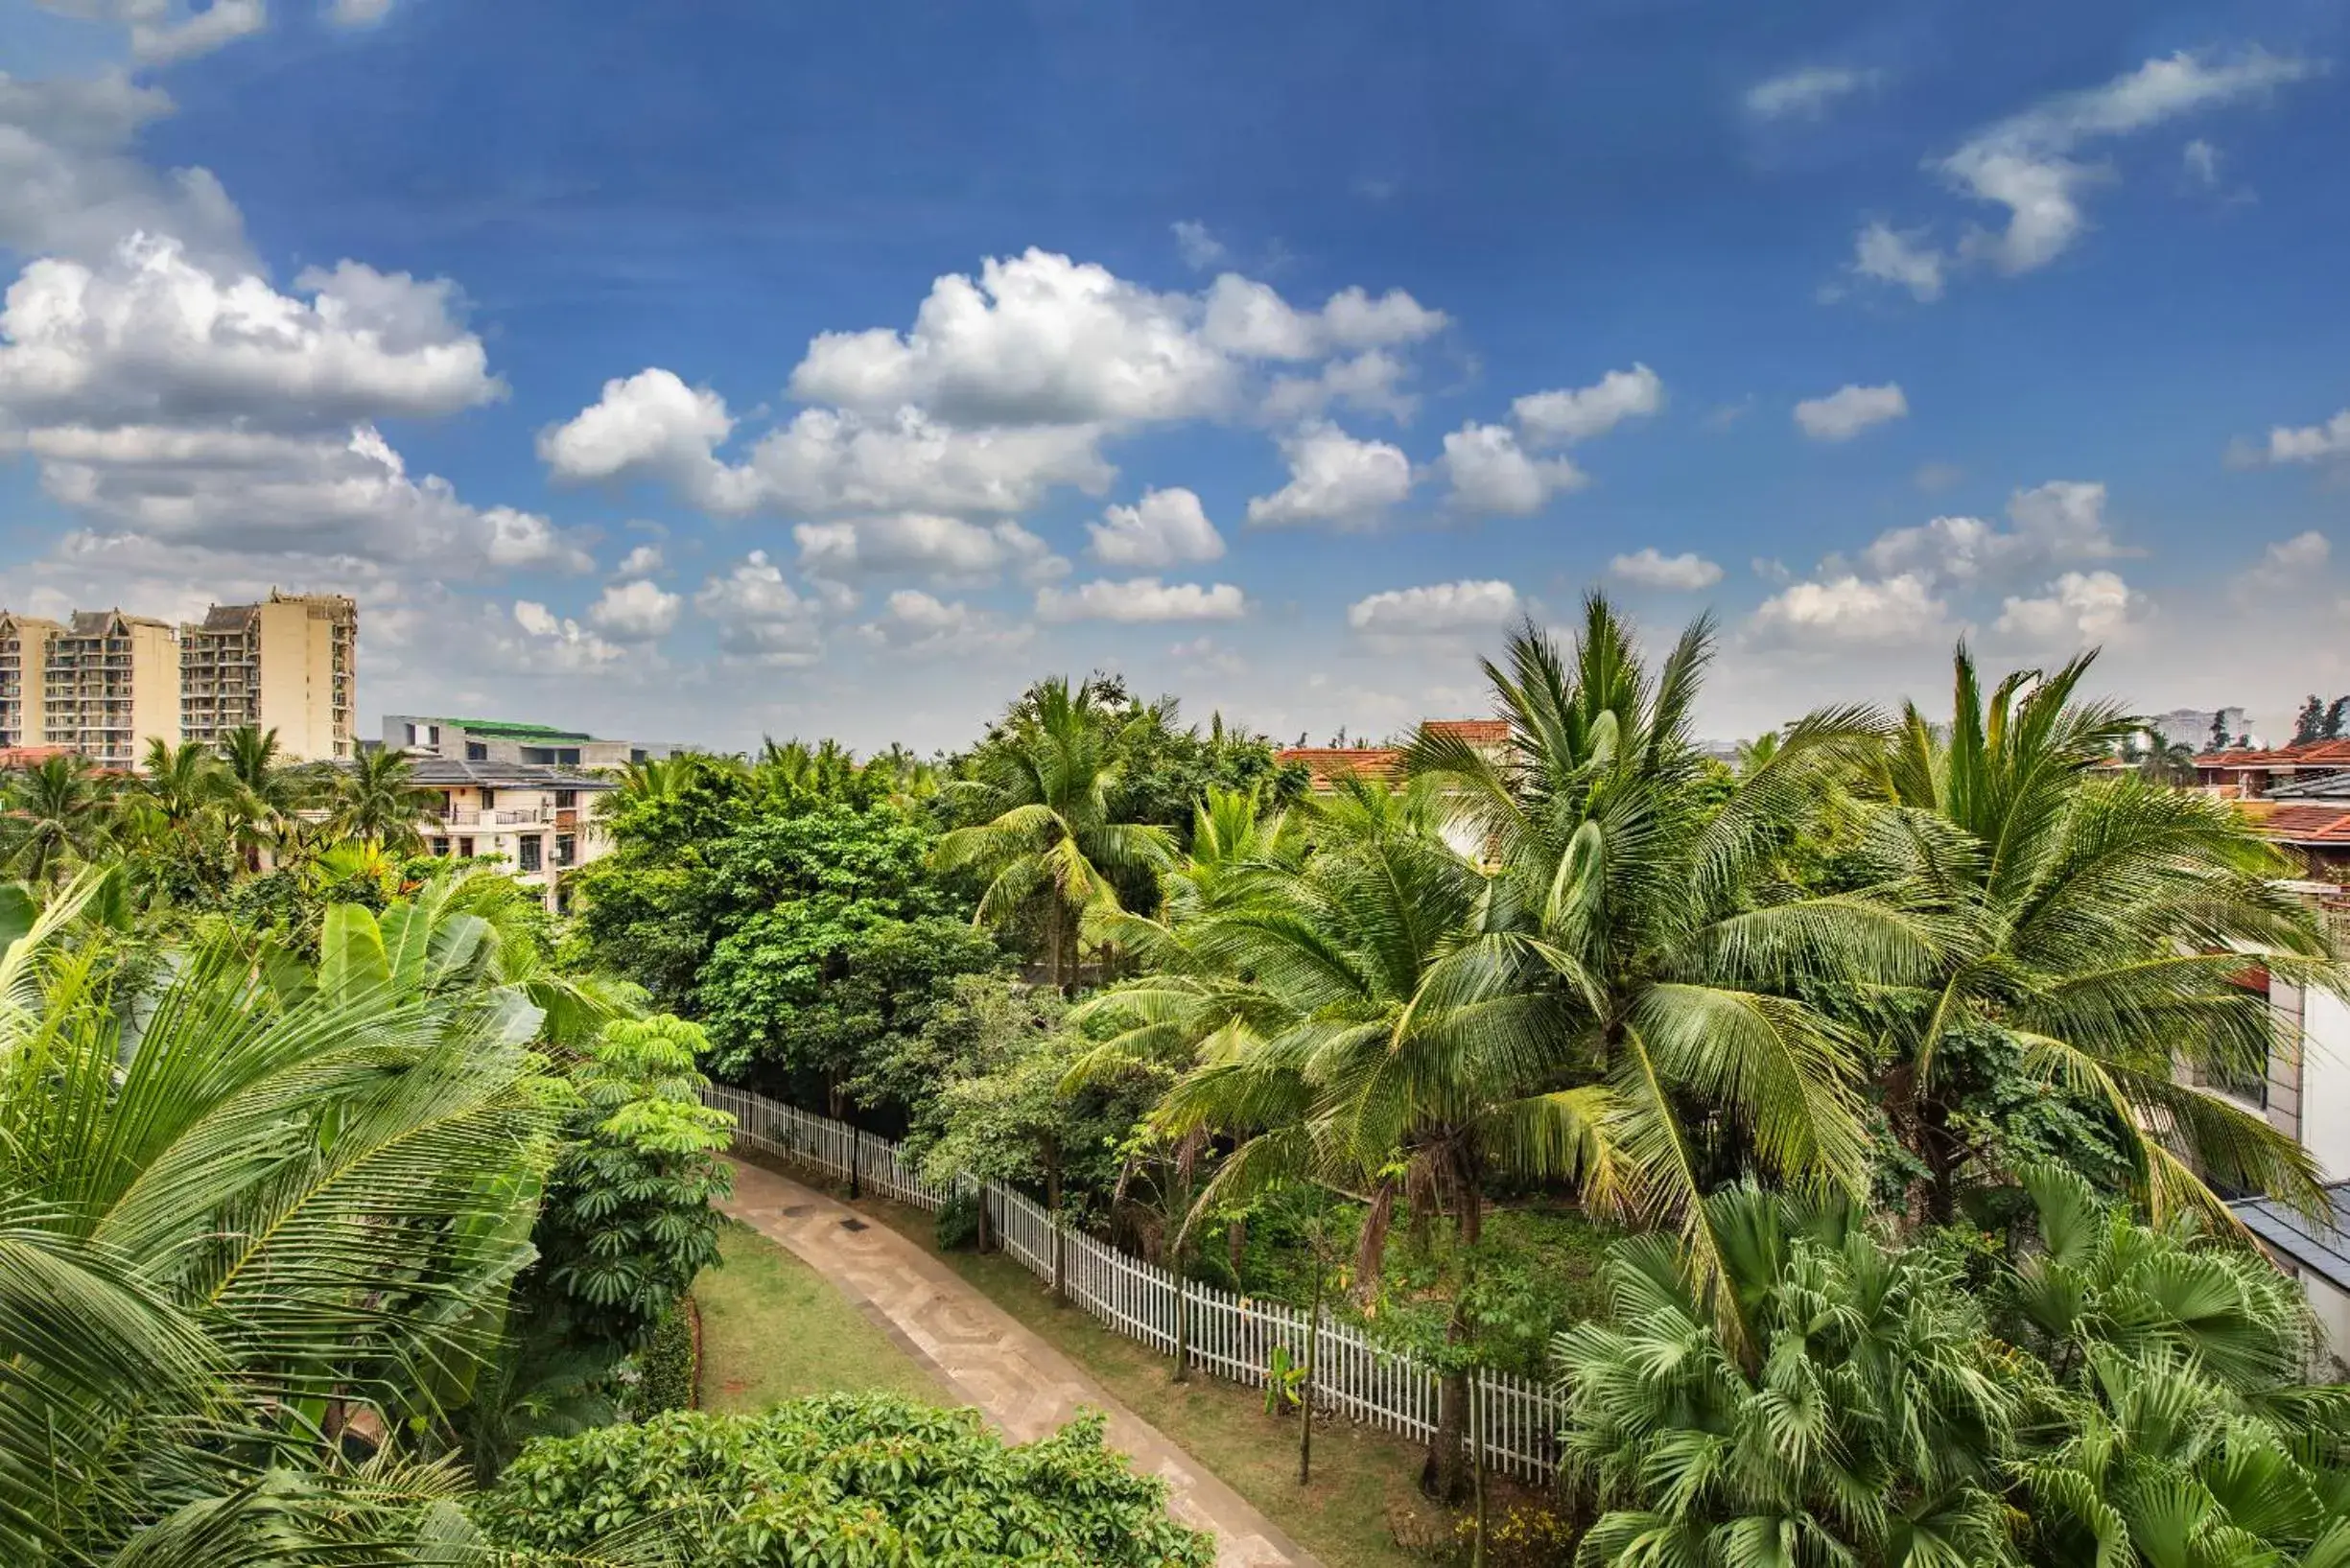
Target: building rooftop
2310,754
1475,732
455,773
2319,1247
1327,763
508,730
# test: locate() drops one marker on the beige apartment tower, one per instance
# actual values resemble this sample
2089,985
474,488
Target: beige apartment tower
288,664
111,685
24,660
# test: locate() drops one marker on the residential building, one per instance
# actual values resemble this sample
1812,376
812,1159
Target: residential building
501,741
2256,772
536,818
288,664
24,657
2192,726
109,686
2304,1092
1326,765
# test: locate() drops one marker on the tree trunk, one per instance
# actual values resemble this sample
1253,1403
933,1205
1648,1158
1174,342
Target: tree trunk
1052,939
1446,1474
987,1228
1235,1247
1371,1249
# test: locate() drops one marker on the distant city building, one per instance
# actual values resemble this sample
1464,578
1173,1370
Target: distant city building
24,657
2192,726
536,818
287,663
500,740
109,685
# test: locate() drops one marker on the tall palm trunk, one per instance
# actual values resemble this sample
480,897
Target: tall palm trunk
1445,1475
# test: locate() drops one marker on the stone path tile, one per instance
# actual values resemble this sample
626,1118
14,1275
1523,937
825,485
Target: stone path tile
987,1358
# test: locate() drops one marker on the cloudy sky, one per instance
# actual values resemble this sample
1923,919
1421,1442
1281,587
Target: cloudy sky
701,371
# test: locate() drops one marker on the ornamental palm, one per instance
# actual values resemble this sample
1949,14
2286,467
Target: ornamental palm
378,799
1639,899
262,792
1049,842
54,815
2101,921
2178,1430
278,1213
1870,1426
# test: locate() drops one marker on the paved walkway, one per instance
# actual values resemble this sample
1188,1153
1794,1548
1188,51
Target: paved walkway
986,1357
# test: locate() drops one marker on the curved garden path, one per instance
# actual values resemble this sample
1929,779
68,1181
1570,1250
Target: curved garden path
986,1357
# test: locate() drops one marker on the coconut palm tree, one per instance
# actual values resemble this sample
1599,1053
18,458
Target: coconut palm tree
1653,920
263,791
54,815
183,784
250,1218
377,798
2100,921
1049,844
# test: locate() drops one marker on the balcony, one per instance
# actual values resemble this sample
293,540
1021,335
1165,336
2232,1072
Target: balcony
533,816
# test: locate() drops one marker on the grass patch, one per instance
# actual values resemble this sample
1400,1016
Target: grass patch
774,1330
1365,1484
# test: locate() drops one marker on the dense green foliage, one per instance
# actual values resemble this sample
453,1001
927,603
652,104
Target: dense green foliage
844,1480
665,1368
627,1223
2121,1394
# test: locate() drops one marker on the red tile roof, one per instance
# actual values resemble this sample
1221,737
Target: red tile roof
29,755
2313,754
1476,732
1326,763
2299,824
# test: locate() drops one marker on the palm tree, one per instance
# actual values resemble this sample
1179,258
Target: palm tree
378,799
182,782
247,1213
54,815
1049,842
1652,920
2102,922
263,791
1873,1427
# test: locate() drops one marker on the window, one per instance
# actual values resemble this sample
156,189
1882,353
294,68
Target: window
412,732
566,850
532,848
464,849
568,756
636,754
440,848
477,750
566,800
489,797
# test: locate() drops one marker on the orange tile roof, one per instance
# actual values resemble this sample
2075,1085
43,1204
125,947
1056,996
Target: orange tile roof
1476,732
2299,824
2314,753
29,755
1326,763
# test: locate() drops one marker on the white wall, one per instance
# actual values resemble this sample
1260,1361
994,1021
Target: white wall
2325,1083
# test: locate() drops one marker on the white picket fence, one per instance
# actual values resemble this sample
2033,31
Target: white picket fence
1513,1419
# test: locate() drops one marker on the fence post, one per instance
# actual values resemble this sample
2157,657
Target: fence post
1477,1402
856,1145
1183,1323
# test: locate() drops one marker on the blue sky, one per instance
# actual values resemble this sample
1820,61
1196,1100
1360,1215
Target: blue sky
697,372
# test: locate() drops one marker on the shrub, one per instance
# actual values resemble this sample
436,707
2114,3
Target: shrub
958,1222
665,1366
844,1478
627,1222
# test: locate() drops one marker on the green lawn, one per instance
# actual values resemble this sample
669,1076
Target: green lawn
774,1330
1364,1487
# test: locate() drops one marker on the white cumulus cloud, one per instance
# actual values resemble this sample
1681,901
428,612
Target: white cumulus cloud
946,550
1490,472
1651,568
1850,409
1555,418
1199,248
635,612
2078,607
922,625
1334,481
1166,527
557,645
761,618
2063,520
1436,609
1852,610
1141,600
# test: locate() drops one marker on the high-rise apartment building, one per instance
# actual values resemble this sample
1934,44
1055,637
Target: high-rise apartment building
111,685
288,664
24,655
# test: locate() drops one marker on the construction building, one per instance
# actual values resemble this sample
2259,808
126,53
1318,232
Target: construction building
288,664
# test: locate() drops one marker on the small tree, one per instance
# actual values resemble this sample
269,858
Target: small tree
2219,733
2336,713
627,1222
